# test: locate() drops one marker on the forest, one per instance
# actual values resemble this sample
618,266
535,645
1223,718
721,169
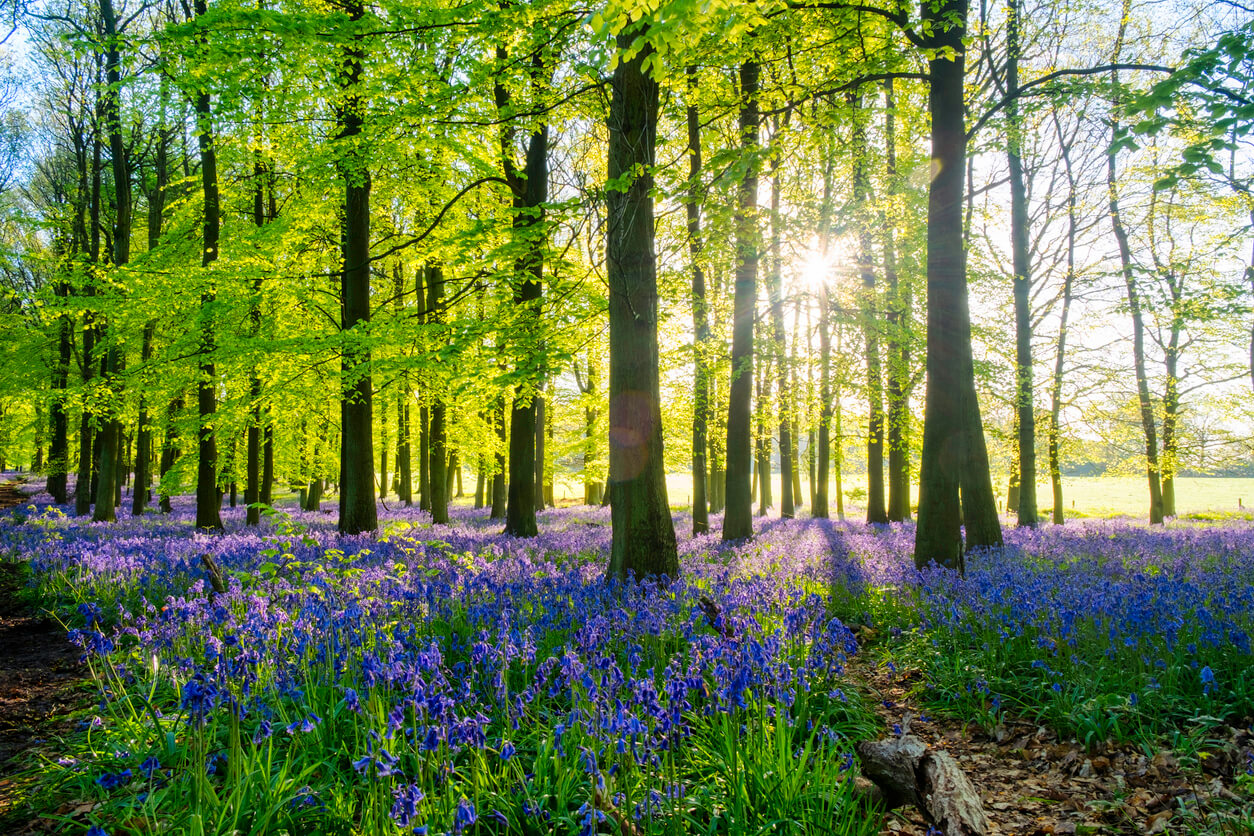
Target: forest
646,417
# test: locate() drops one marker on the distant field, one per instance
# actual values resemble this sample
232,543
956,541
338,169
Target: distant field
1083,496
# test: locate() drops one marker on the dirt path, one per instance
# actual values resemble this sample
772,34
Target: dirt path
38,671
1033,784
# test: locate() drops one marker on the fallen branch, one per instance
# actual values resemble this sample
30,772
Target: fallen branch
908,772
215,573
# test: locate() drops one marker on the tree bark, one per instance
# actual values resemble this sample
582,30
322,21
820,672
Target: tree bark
1055,400
951,418
876,511
438,429
643,535
700,317
1021,256
357,504
787,504
1152,471
738,519
530,191
898,322
111,425
499,498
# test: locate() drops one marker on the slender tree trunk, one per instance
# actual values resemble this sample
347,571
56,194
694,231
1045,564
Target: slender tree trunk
898,322
876,511
111,425
404,456
169,451
700,317
1055,399
59,447
540,450
643,538
1026,508
819,504
357,504
738,519
383,453
438,450
499,498
762,437
1138,342
252,484
530,191
88,447
207,497
787,505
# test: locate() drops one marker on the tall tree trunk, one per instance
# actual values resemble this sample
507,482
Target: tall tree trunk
530,191
404,466
593,488
1055,399
1023,277
787,509
169,451
898,321
499,499
738,519
438,450
59,446
819,504
951,418
87,446
357,504
252,484
1152,472
207,497
700,317
876,512
762,437
111,425
643,535
540,450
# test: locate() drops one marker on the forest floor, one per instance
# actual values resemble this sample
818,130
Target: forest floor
1034,784
40,673
1031,781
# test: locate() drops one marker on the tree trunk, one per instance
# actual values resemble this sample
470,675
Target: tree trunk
700,317
738,519
404,466
530,191
787,505
898,321
1138,339
540,449
762,438
111,425
439,467
252,484
169,451
207,497
357,504
1026,506
876,511
643,535
950,375
499,499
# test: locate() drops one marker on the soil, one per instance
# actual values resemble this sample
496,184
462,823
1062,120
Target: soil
1032,783
39,670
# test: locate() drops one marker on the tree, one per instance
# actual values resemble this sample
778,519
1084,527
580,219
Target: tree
643,538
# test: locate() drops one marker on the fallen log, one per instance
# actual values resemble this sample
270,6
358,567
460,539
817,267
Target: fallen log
215,573
907,772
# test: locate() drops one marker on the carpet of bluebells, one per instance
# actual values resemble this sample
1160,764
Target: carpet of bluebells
448,679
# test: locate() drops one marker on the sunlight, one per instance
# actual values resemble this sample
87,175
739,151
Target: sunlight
818,268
